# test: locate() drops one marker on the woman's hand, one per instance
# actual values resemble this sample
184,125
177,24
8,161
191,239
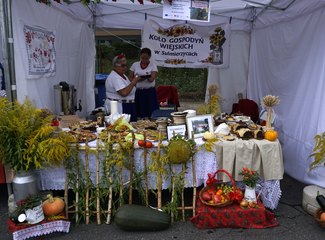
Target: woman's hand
135,80
126,91
153,76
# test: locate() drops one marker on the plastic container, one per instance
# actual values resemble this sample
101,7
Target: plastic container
100,90
309,201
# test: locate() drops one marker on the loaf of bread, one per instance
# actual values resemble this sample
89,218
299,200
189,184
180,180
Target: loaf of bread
258,134
245,133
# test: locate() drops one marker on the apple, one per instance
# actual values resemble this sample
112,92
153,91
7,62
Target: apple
206,196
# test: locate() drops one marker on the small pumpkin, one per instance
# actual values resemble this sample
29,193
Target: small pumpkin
53,205
271,135
322,217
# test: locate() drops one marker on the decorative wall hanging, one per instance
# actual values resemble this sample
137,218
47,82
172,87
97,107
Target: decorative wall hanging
40,47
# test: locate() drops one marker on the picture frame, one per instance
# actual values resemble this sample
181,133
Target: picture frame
177,129
199,125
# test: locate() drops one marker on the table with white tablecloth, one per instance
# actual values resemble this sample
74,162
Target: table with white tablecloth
261,155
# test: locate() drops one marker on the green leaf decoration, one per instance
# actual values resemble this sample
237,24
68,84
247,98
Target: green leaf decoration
318,152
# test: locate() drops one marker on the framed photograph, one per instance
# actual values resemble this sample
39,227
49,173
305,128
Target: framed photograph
176,130
199,125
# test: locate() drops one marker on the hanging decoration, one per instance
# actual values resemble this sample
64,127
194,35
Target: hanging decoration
84,2
87,2
40,47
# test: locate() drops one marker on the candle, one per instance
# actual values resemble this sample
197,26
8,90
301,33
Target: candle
114,107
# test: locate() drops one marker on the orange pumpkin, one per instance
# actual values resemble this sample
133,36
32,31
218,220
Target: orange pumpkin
271,135
322,217
52,206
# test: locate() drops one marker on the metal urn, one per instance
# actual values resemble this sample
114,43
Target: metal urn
25,184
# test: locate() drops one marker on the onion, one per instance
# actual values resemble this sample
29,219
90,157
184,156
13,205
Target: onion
244,203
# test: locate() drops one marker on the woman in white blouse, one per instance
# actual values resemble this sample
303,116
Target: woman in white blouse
119,88
145,96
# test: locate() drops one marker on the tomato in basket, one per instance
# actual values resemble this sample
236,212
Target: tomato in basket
217,199
237,195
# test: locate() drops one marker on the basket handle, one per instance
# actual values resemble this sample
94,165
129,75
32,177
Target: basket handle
212,178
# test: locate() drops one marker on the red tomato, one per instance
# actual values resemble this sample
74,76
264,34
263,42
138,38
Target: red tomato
216,199
141,143
148,144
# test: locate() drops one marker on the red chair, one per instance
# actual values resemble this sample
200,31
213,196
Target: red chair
247,107
169,94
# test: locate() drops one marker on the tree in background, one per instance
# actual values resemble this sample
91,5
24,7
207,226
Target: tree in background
191,83
105,54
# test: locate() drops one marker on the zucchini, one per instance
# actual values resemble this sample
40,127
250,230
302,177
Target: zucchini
141,218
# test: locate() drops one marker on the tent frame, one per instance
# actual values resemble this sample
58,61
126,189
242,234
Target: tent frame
8,49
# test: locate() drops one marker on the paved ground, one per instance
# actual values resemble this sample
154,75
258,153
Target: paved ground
294,224
189,104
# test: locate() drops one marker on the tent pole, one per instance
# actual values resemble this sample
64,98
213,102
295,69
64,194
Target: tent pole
8,49
8,56
94,32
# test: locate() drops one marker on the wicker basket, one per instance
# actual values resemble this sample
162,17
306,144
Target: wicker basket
214,186
317,217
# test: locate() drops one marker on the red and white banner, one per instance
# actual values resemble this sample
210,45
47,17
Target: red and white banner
188,45
40,52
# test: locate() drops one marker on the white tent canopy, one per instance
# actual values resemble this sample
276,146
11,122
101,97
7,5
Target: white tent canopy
276,48
125,14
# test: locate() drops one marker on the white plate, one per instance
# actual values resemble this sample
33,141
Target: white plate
242,118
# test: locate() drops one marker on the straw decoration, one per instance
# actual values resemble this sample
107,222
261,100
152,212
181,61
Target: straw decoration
270,101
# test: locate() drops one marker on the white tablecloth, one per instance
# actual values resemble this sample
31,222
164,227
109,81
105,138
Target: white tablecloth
41,229
261,155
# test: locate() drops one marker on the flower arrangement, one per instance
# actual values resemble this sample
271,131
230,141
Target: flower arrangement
250,177
27,139
218,38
